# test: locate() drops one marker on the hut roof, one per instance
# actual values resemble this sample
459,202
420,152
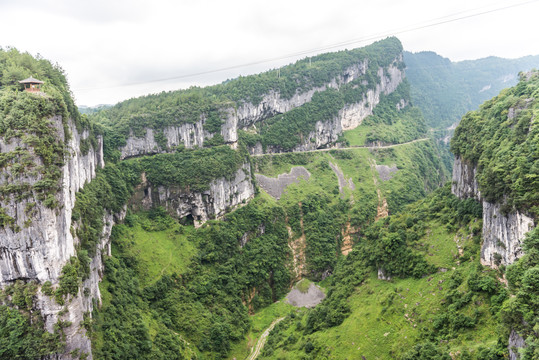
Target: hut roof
31,80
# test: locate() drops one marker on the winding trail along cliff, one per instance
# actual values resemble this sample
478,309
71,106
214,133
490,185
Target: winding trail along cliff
249,115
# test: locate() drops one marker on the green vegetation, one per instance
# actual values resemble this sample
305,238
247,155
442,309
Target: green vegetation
413,315
27,122
22,333
445,90
392,121
193,169
185,303
171,291
303,285
261,320
420,171
521,312
214,103
501,139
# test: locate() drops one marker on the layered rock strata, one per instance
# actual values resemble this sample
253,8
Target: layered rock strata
502,232
248,115
41,243
221,196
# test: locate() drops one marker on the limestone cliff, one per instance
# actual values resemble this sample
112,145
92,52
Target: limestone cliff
502,232
249,115
40,242
221,196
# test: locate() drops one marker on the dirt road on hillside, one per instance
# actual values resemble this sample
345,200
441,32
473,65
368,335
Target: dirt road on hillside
262,341
348,148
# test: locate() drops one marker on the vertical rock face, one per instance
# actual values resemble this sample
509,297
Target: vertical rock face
44,243
352,115
190,135
464,181
221,196
248,115
502,233
515,342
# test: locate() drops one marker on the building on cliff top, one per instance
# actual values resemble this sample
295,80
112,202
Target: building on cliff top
32,85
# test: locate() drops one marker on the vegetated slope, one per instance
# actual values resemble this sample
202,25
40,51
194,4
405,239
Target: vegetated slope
501,139
445,90
190,294
440,302
394,120
303,105
246,262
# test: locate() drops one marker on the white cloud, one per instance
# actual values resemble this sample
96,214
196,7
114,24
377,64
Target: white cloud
103,44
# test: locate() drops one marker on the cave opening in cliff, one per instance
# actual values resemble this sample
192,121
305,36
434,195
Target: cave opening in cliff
187,220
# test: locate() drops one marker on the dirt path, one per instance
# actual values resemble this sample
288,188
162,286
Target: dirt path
262,341
348,148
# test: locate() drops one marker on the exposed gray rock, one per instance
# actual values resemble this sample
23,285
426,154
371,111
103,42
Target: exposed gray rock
352,115
40,249
502,233
383,275
276,186
464,180
385,172
341,179
310,299
247,115
515,342
222,196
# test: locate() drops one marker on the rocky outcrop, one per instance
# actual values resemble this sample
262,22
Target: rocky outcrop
189,135
276,186
247,115
42,243
515,342
464,180
221,196
352,115
502,235
502,232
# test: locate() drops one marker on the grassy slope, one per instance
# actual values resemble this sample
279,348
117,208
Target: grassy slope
355,164
417,163
388,316
158,253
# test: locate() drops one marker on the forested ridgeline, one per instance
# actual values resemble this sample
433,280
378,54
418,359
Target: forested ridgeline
323,85
446,90
501,139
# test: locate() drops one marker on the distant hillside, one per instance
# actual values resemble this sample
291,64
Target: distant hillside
83,109
446,90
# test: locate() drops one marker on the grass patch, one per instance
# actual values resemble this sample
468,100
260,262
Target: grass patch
260,322
304,285
158,253
357,136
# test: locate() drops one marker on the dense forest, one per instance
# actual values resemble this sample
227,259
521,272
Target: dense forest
326,74
374,225
446,90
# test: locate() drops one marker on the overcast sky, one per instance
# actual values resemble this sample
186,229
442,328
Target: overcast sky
113,50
